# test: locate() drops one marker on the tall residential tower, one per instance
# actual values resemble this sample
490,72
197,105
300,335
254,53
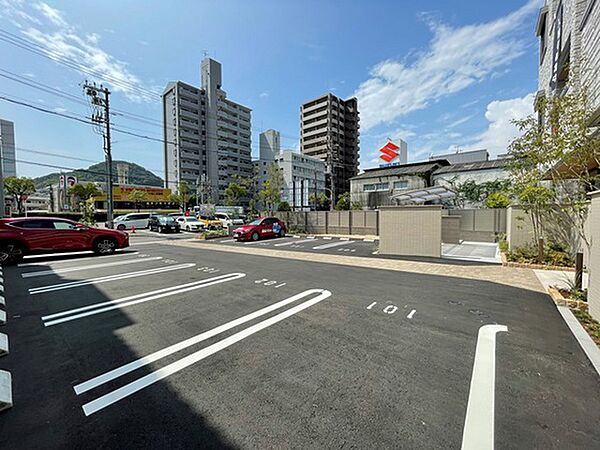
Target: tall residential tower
207,136
329,131
7,134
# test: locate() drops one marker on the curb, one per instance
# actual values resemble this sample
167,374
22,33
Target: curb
334,237
589,347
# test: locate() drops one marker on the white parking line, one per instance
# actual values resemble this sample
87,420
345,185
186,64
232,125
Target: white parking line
89,255
98,308
134,365
40,273
151,378
331,245
123,276
411,314
148,242
479,422
226,240
254,242
284,244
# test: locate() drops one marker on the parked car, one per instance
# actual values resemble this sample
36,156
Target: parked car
163,224
210,222
188,223
34,235
227,220
128,221
264,227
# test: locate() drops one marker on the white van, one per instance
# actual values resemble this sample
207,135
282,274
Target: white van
128,221
226,219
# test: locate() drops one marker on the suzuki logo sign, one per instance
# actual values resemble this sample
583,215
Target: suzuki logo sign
388,152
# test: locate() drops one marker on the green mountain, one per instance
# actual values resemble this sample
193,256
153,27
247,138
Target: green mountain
137,175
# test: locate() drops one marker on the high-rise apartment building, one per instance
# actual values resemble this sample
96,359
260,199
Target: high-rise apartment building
329,131
270,145
7,137
207,136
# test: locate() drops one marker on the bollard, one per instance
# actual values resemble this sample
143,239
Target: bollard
579,271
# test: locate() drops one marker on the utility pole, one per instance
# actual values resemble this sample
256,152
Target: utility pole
99,98
2,200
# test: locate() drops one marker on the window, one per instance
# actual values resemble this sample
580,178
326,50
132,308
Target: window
383,186
33,224
402,184
558,23
60,225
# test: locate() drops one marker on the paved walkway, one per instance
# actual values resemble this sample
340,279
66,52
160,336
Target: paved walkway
510,276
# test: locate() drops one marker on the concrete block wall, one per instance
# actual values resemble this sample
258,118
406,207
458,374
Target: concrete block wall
411,230
450,229
594,262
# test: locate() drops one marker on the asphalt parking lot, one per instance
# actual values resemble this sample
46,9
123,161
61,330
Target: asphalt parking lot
162,346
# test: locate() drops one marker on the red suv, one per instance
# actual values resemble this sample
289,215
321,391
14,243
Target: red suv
33,235
260,228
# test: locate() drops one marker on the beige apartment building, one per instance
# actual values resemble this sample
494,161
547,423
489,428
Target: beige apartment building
329,131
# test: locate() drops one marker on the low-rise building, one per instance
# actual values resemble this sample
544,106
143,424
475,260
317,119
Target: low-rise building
479,172
375,187
459,157
302,176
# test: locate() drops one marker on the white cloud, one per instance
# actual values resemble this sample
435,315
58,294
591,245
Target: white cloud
264,94
501,131
456,58
63,40
53,15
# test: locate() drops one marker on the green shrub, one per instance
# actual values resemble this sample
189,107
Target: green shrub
555,254
503,246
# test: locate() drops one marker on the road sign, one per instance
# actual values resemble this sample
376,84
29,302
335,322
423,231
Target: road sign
71,181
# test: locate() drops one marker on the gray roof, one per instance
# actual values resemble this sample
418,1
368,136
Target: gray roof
405,169
479,165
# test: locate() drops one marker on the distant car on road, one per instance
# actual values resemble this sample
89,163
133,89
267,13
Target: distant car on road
128,221
163,224
189,223
227,220
264,227
35,235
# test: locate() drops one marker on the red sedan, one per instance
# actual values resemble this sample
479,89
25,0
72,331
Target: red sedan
35,235
260,228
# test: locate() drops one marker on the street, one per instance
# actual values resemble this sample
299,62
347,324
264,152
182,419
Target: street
162,345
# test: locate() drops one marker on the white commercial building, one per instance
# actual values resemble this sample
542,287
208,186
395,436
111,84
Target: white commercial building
302,176
7,142
270,145
207,136
459,157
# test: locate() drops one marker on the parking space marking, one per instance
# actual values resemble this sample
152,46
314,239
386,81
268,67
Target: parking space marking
411,314
122,276
98,308
148,242
479,422
331,245
283,244
62,261
226,240
151,378
40,273
254,242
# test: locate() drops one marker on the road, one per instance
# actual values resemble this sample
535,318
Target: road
168,346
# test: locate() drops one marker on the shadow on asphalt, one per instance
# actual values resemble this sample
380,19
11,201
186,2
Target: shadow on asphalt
46,363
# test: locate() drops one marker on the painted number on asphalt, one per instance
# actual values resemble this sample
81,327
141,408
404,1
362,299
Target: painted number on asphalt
267,282
207,269
390,309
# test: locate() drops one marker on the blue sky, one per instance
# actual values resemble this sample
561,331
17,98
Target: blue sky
437,73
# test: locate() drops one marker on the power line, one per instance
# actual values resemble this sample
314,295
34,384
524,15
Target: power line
59,58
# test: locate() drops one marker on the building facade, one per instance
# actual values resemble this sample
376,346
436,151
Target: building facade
7,141
303,176
459,157
207,136
569,43
478,172
270,145
329,131
375,187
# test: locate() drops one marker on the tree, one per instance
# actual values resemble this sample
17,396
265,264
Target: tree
87,212
497,200
476,193
284,206
183,195
84,191
19,188
552,163
136,197
237,189
343,203
321,201
270,194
